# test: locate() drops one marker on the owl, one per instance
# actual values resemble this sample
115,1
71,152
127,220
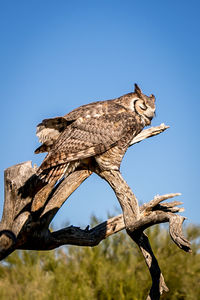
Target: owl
96,133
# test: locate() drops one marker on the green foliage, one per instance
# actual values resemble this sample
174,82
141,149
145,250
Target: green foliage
114,270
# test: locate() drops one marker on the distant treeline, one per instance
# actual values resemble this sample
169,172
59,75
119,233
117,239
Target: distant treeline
114,270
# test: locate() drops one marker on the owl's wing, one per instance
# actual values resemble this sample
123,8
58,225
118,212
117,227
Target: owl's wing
87,137
49,130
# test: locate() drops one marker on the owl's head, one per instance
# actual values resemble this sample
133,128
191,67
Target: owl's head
144,105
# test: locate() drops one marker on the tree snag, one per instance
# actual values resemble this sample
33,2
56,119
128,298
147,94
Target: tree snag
30,206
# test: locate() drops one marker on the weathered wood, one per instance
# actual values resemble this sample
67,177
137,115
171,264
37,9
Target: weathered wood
125,196
30,205
91,237
131,216
147,133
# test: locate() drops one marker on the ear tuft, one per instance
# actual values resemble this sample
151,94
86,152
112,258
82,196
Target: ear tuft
152,97
138,90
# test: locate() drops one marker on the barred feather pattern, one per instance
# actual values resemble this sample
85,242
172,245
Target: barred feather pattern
58,172
102,130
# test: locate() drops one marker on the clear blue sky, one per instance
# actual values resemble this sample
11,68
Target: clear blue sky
58,55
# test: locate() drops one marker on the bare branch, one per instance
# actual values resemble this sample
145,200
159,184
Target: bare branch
30,206
157,199
91,237
176,233
147,133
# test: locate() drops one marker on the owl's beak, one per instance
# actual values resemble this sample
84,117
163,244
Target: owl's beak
149,113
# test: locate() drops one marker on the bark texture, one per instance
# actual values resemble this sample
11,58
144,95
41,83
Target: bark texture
29,207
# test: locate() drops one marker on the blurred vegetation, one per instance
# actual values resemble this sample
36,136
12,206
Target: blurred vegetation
113,270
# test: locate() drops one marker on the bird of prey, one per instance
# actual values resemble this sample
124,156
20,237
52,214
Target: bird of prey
99,132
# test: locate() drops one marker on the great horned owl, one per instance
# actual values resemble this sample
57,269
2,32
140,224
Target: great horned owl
100,131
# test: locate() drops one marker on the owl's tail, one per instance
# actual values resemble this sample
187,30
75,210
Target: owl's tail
58,172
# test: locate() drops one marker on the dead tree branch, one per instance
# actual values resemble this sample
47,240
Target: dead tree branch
30,206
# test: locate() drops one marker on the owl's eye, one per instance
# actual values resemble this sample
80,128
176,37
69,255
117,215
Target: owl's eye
142,106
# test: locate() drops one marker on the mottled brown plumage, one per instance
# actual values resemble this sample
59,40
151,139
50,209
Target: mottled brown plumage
99,130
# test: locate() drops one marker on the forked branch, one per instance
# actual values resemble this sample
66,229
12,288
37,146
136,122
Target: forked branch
29,207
